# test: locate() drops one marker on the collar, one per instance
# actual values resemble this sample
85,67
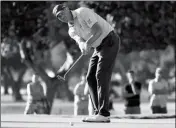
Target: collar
74,16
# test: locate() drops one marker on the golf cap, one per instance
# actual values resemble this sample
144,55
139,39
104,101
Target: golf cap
58,8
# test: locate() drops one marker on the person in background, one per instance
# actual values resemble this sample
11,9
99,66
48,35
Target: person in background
37,102
80,98
131,94
158,89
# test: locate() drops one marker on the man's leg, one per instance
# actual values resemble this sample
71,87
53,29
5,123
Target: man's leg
92,82
107,57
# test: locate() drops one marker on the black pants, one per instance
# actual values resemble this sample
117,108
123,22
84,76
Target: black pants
158,109
100,71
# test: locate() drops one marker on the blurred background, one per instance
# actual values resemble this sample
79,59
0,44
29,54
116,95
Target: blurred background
33,40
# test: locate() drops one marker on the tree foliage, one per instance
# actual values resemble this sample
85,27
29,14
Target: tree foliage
141,25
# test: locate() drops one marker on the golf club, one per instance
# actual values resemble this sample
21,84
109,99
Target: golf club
63,77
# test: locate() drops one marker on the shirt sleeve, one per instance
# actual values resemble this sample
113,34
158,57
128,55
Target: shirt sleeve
76,89
75,36
44,89
150,87
89,17
28,89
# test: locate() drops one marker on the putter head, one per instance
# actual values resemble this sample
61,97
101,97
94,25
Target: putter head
60,78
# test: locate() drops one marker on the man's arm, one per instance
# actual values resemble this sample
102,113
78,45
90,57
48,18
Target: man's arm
80,41
126,94
96,32
75,91
44,88
90,19
28,89
86,89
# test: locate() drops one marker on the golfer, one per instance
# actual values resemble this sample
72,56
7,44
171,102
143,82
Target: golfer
90,30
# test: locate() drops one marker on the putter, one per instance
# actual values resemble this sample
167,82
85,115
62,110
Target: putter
63,77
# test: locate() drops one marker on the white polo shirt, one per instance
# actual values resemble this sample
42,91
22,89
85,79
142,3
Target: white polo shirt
84,19
158,100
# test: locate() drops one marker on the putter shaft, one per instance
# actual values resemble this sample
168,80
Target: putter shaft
63,78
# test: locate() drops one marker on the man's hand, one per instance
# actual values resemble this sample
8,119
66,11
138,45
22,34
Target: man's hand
87,49
84,47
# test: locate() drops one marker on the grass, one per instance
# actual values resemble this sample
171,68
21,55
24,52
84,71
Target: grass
62,117
61,107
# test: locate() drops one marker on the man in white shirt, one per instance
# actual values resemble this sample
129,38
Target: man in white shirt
159,89
90,30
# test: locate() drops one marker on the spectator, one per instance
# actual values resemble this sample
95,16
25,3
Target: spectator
131,94
36,101
80,98
158,89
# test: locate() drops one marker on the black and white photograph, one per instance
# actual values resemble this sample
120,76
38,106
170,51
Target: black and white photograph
88,64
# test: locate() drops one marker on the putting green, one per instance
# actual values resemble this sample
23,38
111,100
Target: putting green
55,121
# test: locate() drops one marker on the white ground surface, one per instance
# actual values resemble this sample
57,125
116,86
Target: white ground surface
54,121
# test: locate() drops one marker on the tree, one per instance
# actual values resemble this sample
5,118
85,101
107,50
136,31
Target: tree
28,22
141,25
